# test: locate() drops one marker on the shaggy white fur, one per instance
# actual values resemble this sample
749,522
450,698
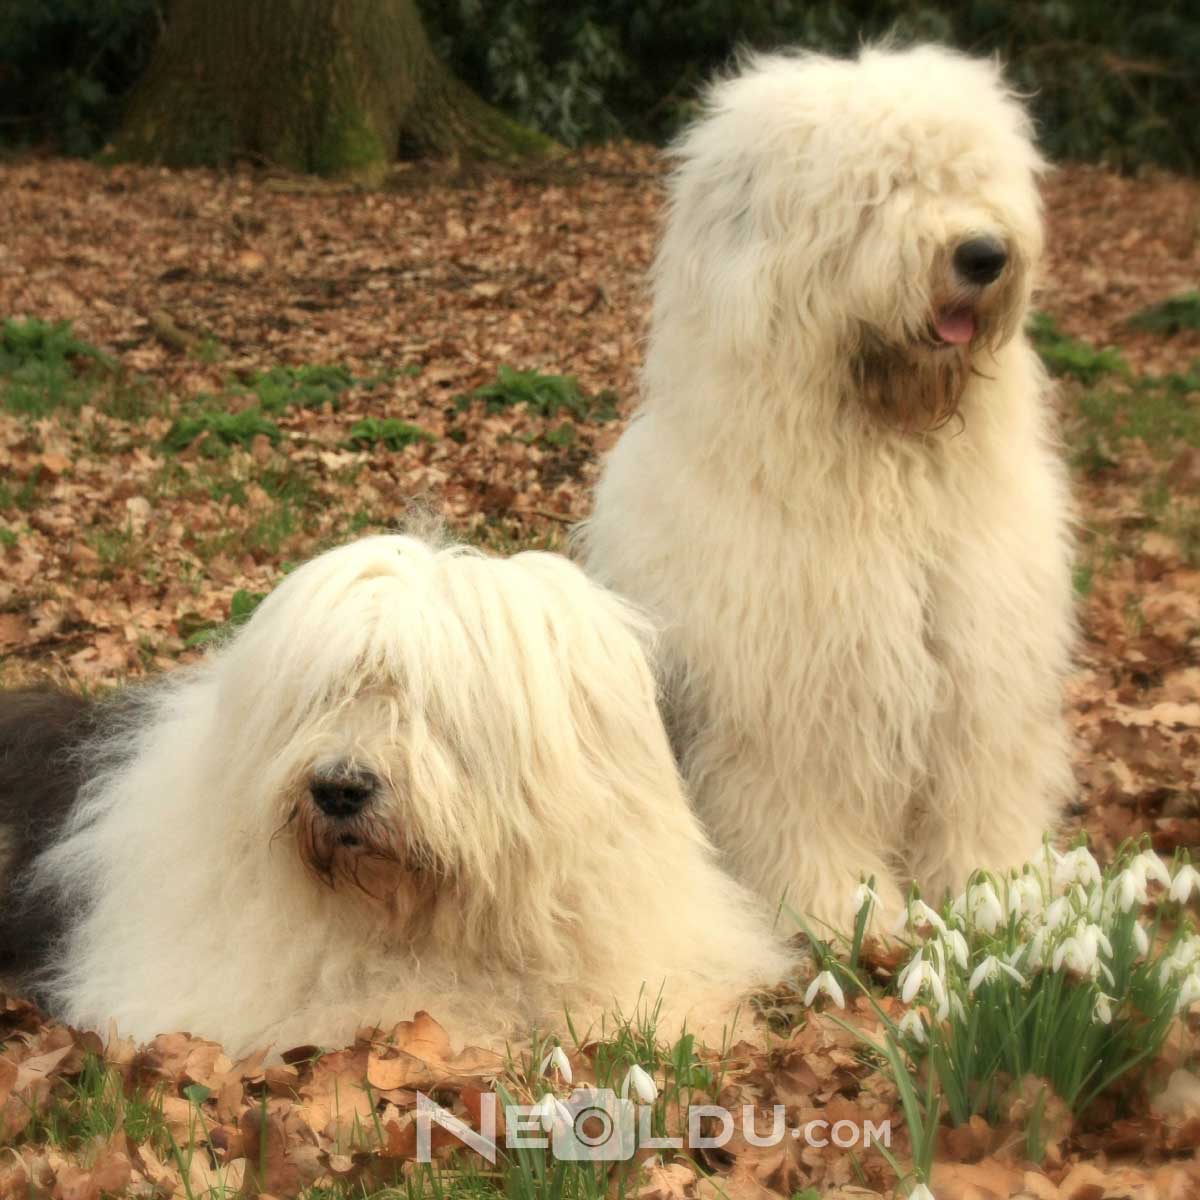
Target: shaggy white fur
841,492
508,837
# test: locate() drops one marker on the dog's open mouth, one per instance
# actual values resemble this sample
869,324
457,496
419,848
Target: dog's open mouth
953,326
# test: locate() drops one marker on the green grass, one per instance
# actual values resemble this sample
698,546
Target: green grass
45,367
93,1107
217,429
115,548
1171,316
282,388
23,497
387,432
1161,412
224,420
1065,355
546,395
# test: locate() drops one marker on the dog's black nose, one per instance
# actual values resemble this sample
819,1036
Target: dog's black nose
342,798
980,260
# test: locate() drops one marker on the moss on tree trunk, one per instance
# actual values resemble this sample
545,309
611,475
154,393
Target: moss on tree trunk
325,86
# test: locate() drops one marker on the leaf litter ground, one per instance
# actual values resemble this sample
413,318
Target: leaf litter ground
283,364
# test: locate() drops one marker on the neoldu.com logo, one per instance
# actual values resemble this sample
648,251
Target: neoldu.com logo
597,1125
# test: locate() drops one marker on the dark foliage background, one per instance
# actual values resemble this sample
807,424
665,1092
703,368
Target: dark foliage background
65,66
1110,80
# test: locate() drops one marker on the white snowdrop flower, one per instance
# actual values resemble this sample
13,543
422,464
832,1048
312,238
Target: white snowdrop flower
551,1111
1073,954
921,1192
1102,1011
986,910
1186,881
988,969
1181,959
1076,866
1126,890
922,914
1057,914
825,984
1150,868
1024,895
937,956
865,895
912,1025
917,914
918,974
1141,940
641,1084
954,1006
1188,951
556,1060
1095,934
1035,959
911,977
1189,992
957,945
1080,953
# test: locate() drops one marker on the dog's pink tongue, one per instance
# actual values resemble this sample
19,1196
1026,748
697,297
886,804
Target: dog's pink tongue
956,327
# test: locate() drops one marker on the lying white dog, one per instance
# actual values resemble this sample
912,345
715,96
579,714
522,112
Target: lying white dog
841,492
419,777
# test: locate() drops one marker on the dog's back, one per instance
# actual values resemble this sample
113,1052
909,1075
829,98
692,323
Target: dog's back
39,779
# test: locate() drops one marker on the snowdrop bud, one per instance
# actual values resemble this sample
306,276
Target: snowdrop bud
641,1084
864,895
1141,940
911,977
921,1192
1186,881
1036,959
912,1025
1102,1011
825,984
957,945
557,1060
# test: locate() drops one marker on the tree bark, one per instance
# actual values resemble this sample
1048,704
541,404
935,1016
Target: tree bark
332,87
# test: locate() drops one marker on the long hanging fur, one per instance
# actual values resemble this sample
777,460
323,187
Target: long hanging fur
855,536
527,850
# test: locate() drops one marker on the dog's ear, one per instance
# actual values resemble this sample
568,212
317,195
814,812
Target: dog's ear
715,258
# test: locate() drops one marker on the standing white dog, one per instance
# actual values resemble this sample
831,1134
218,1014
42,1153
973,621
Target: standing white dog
418,778
841,493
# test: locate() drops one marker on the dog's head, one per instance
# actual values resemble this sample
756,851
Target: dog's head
429,723
879,214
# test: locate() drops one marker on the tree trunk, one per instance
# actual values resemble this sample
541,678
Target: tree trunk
325,86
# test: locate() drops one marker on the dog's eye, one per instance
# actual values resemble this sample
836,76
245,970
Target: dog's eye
342,794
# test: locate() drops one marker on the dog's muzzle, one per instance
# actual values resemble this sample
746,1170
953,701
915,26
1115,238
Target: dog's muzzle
980,261
341,795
